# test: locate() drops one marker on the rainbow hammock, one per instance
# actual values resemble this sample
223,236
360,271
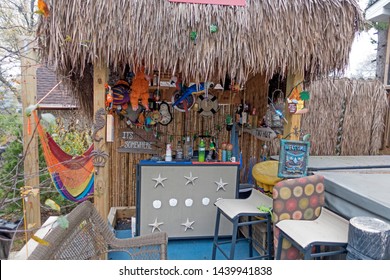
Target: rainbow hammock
72,176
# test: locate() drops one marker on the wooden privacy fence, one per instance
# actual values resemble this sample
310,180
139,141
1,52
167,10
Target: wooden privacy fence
346,117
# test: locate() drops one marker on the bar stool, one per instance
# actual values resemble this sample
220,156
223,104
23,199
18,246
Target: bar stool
233,210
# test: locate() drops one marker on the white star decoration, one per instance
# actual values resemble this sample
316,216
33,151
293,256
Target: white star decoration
190,179
221,185
156,225
188,224
159,181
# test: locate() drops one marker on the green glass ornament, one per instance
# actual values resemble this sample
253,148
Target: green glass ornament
193,35
213,28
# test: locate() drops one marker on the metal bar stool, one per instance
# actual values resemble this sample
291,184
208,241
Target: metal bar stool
328,229
233,210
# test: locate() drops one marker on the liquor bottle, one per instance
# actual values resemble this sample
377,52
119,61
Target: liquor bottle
168,154
188,151
179,151
213,153
264,153
202,150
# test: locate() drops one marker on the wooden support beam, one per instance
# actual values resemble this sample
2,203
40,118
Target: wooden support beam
293,126
386,74
102,182
386,134
29,63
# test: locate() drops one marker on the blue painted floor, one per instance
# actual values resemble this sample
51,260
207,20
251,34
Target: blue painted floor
201,249
189,249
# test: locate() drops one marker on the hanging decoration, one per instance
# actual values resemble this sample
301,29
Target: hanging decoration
184,98
166,116
296,100
208,105
99,159
43,9
193,36
213,28
120,93
99,124
139,90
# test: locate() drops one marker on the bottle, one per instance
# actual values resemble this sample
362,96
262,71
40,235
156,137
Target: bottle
188,151
212,151
168,153
179,151
264,153
202,151
244,114
155,79
224,155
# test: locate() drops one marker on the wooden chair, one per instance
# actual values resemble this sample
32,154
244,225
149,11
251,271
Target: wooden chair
302,226
88,236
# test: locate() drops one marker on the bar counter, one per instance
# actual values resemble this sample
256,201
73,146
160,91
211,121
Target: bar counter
178,197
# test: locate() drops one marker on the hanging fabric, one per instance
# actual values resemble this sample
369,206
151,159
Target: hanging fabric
73,176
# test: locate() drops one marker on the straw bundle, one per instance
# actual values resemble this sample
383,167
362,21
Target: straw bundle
359,126
262,37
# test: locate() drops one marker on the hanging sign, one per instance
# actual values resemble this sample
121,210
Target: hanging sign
137,141
293,158
214,2
263,133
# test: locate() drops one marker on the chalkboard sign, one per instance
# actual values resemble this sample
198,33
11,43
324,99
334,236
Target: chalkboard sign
293,158
137,141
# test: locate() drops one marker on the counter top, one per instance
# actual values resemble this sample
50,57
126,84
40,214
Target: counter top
185,162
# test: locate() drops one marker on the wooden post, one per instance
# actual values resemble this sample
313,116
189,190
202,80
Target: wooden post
386,134
102,182
292,128
29,67
386,74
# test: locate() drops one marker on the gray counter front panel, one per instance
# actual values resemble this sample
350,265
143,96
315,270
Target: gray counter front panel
179,207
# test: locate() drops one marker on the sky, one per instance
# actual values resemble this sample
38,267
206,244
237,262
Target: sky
362,47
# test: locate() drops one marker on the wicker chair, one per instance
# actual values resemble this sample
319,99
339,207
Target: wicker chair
89,237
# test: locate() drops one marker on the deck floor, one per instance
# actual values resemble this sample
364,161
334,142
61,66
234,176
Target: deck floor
190,249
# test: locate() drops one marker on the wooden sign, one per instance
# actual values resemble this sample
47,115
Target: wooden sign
293,158
214,2
137,141
263,133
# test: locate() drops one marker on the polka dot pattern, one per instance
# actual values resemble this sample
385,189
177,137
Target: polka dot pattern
297,199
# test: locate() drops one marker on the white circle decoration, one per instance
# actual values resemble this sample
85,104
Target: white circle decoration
189,202
205,201
173,202
157,204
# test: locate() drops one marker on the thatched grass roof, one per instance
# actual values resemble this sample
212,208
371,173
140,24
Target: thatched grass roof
264,36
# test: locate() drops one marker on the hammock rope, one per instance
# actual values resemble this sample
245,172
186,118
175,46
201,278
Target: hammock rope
73,176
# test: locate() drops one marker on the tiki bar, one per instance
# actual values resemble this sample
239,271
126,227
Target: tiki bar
220,131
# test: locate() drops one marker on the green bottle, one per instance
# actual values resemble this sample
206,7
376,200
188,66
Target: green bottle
202,150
